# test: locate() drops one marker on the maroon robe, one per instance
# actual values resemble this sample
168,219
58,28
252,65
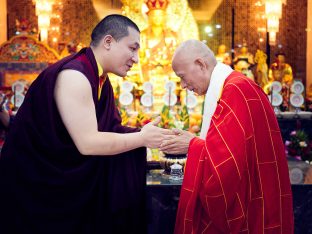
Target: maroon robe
47,186
236,181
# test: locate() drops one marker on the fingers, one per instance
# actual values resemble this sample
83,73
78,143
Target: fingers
156,121
168,138
167,132
167,144
177,131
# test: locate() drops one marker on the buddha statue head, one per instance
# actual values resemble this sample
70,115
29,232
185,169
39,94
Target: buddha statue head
280,58
244,50
221,49
157,12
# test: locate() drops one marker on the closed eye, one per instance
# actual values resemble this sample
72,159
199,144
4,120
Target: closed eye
133,49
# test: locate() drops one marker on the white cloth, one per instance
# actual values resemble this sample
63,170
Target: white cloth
219,74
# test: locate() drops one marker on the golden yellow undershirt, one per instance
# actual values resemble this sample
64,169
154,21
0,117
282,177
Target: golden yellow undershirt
101,80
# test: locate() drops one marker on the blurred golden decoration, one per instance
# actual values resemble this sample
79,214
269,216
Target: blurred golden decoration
44,9
273,12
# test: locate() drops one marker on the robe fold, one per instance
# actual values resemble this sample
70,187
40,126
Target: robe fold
47,186
237,181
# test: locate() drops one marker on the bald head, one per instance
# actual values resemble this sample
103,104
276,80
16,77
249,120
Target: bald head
194,62
193,49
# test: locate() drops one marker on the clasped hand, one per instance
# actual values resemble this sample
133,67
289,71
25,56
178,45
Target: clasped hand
173,141
178,143
153,136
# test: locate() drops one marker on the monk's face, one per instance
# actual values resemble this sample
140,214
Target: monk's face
124,53
193,75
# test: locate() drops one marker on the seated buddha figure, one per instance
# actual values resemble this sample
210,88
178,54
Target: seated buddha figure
157,41
223,56
244,61
280,70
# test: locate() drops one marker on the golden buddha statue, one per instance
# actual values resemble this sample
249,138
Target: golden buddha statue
163,24
244,61
223,56
280,70
158,42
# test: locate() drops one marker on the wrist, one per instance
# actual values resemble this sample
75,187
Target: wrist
140,139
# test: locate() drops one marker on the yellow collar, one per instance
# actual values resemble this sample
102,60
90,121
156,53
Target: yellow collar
100,69
101,80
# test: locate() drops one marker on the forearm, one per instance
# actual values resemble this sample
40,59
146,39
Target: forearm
106,143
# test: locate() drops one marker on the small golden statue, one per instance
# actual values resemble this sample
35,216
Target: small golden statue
262,68
280,70
244,61
223,56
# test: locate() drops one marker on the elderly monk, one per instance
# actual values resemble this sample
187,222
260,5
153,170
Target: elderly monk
236,177
68,165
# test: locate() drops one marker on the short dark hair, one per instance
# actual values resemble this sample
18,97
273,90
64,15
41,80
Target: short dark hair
114,25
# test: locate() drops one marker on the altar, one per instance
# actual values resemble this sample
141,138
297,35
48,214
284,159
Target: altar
163,197
163,194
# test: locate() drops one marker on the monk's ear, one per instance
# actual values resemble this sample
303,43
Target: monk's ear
201,63
107,41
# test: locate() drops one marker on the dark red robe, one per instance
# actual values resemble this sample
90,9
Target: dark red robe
47,186
236,181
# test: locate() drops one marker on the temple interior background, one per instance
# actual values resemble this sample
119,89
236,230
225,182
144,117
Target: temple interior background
75,20
269,41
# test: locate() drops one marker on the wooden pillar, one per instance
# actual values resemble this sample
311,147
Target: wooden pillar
3,21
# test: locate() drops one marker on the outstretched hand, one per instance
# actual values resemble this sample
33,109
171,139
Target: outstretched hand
153,136
178,144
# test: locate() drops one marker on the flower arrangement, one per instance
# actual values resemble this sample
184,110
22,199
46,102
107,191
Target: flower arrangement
137,121
299,146
169,120
166,118
183,118
142,119
124,116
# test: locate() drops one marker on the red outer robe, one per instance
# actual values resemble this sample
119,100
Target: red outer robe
236,181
